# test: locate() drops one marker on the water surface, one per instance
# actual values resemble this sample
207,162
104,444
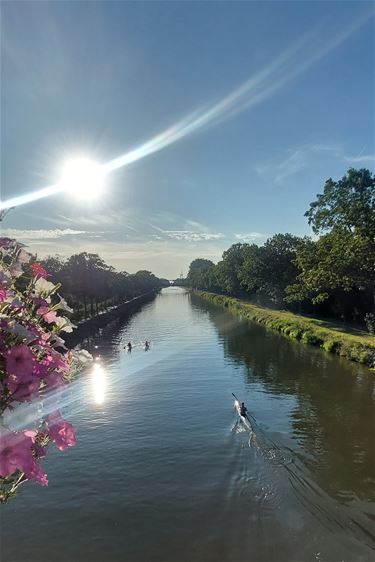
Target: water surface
164,471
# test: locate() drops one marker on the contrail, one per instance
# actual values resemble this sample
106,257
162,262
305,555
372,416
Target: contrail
304,53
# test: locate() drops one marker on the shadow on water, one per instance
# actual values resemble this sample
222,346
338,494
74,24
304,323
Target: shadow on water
330,448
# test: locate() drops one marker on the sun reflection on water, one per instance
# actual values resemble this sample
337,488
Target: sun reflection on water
99,383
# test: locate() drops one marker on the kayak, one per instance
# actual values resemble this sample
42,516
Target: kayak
245,420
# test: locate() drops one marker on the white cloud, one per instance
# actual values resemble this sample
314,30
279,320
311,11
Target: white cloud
42,234
364,158
196,225
99,219
304,157
251,236
187,229
192,236
296,162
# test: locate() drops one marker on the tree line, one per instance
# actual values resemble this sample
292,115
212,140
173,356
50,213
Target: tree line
90,285
331,275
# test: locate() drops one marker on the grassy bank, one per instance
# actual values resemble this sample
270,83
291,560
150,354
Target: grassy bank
347,342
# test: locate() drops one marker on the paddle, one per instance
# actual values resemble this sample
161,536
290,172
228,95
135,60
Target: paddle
252,417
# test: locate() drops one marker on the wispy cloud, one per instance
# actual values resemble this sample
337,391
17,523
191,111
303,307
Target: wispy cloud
301,158
192,236
292,165
42,234
250,236
191,231
98,219
358,159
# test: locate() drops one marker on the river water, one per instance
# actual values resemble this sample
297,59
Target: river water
163,470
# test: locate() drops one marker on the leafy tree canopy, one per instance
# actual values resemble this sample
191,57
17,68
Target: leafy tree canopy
270,268
227,270
338,260
348,204
200,264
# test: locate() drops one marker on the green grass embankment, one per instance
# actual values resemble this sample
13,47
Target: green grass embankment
347,342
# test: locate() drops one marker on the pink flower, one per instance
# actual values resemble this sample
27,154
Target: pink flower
60,431
59,361
53,363
40,302
38,270
5,242
20,364
41,368
48,315
22,390
39,451
16,453
4,294
54,380
20,361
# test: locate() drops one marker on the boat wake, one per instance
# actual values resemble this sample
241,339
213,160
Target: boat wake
327,510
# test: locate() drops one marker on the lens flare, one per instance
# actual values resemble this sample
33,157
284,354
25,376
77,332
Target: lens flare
83,178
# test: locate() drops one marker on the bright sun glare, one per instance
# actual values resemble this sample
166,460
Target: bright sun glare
83,178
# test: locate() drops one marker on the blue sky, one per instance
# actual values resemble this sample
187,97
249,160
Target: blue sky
270,98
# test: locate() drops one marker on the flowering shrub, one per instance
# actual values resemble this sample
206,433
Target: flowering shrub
35,366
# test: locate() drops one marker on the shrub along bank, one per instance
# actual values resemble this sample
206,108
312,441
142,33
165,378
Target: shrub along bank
350,343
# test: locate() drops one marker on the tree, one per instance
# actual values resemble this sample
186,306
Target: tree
347,204
343,259
269,269
251,272
201,274
227,270
339,262
145,281
87,279
54,266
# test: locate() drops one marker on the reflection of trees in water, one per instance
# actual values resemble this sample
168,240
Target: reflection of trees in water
334,417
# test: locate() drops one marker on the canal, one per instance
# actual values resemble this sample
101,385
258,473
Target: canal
163,470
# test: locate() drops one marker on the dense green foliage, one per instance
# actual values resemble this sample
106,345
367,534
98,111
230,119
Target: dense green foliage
347,204
351,343
90,285
332,276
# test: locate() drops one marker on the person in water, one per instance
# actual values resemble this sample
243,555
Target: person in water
129,346
147,345
243,410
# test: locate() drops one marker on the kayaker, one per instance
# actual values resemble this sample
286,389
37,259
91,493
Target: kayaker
243,410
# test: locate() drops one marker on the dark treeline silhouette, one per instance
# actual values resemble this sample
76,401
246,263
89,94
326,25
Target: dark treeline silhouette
90,285
332,276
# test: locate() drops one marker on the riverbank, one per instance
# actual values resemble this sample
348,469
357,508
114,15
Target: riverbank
350,343
87,327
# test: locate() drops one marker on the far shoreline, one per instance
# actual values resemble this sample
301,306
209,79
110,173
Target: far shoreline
353,345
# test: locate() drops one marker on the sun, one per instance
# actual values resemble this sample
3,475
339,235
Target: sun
83,178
